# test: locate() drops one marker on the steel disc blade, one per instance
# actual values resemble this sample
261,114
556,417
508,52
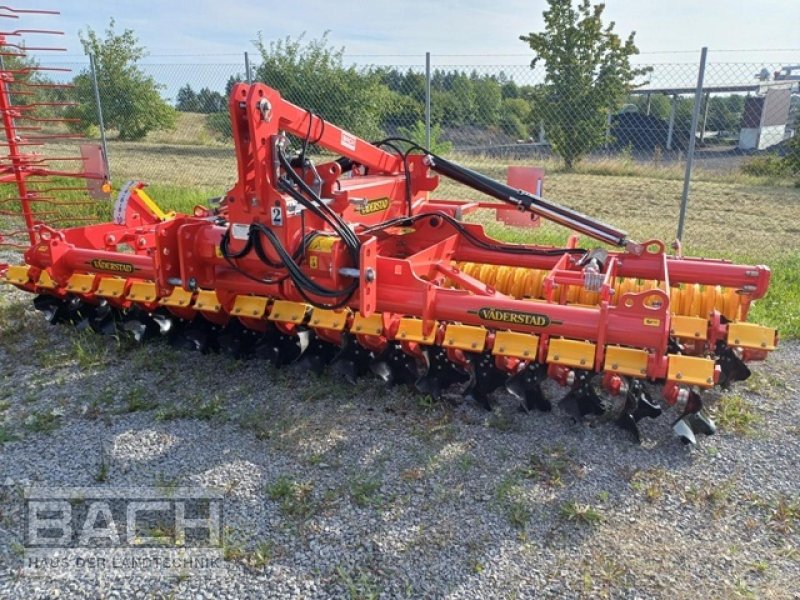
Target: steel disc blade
582,399
318,354
53,309
352,361
526,386
485,378
396,367
441,374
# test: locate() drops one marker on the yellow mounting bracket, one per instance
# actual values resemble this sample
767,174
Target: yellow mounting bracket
688,327
464,337
371,325
45,281
571,353
250,306
179,298
750,335
17,274
410,330
143,291
691,370
626,361
329,319
207,301
111,287
518,345
286,311
81,283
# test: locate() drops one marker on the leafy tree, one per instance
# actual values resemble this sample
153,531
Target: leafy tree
220,124
130,99
416,134
488,99
186,100
232,81
515,112
725,113
400,110
792,157
210,102
462,91
313,75
588,74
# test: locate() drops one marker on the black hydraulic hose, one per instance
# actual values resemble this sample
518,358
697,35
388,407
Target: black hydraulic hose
520,198
530,202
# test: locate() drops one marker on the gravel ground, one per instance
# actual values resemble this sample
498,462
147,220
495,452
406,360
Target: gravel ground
333,490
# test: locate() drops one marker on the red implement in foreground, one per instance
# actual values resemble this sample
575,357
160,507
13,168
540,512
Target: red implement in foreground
354,265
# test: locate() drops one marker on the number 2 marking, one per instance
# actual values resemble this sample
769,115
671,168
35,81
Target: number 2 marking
277,216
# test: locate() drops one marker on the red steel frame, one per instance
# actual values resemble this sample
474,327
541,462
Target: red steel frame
412,270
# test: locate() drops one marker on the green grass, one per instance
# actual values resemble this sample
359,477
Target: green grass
733,413
42,422
781,306
549,465
580,513
295,498
365,491
7,436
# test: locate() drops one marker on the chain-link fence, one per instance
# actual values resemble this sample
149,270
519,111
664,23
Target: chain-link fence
624,163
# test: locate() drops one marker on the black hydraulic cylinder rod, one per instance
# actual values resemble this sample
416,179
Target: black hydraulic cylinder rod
530,202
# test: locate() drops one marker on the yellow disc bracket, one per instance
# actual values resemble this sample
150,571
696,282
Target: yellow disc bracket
179,297
750,335
18,274
250,306
410,330
371,325
143,291
518,345
329,319
111,287
626,361
688,327
571,353
45,281
207,301
80,283
691,370
289,312
464,337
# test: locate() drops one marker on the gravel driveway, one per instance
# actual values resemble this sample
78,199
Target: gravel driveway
334,490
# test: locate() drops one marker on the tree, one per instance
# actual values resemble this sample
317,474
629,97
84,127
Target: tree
130,99
588,74
416,134
515,112
210,102
232,81
488,98
792,157
186,100
313,75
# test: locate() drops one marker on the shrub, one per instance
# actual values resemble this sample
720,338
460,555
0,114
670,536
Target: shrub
766,166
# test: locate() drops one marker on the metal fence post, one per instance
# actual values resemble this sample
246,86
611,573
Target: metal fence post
100,122
248,75
671,127
698,100
428,100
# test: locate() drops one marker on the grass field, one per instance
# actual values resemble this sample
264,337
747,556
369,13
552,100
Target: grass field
731,215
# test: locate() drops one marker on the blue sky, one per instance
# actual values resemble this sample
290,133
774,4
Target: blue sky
410,27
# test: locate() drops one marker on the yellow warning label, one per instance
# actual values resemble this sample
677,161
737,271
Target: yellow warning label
652,322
